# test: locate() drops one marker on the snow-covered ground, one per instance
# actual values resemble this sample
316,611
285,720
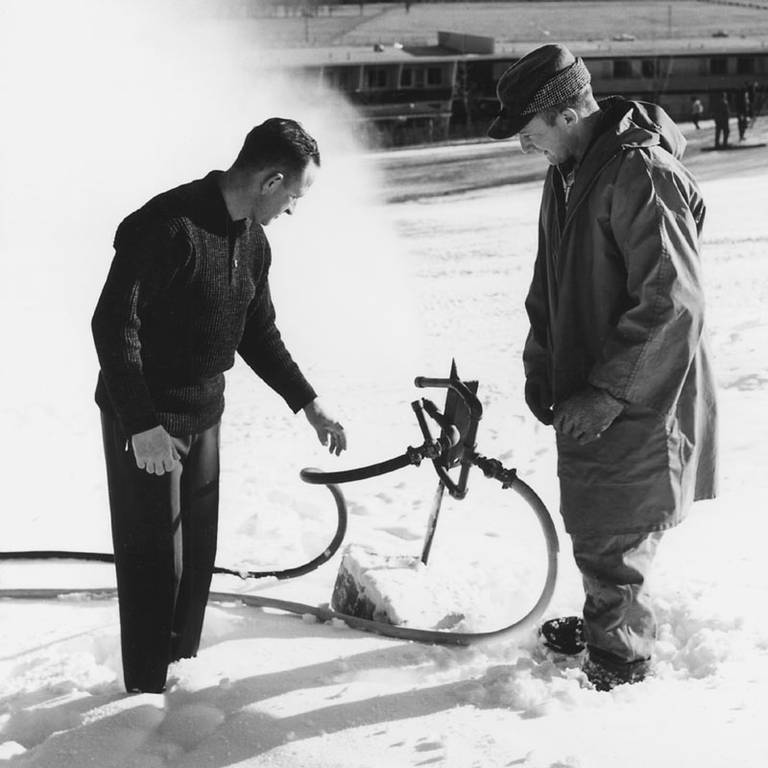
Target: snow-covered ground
368,296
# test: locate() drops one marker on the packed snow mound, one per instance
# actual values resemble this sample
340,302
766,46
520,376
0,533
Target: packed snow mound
396,589
401,590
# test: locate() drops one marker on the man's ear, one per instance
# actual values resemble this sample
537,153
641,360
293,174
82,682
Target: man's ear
271,182
569,117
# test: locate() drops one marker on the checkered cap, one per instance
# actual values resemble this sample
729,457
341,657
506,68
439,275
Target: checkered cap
543,78
560,88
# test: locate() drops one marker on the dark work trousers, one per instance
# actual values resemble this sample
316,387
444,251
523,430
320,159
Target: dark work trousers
721,130
164,537
743,122
618,617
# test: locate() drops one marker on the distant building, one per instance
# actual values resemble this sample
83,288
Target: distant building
405,94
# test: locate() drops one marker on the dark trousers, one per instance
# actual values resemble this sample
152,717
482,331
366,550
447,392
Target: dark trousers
164,537
619,622
722,130
743,122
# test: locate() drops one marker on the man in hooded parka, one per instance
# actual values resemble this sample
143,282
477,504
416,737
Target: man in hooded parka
616,357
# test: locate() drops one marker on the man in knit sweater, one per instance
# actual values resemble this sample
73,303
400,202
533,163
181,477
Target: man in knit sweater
188,288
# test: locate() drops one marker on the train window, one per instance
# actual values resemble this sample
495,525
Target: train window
649,68
745,65
664,66
340,78
376,77
622,68
434,76
718,65
412,77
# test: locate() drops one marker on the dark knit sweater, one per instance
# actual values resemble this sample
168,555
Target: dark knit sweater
187,289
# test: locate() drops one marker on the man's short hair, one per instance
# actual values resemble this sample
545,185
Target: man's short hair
278,143
578,101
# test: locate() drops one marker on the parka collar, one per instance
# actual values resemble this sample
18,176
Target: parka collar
624,125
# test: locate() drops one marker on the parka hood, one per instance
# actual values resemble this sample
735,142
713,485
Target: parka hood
640,124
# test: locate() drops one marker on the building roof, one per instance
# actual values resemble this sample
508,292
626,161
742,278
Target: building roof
395,54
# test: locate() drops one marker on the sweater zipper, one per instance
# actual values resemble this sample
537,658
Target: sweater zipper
232,242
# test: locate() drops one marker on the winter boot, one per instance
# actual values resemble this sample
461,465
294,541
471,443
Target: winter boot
605,671
564,635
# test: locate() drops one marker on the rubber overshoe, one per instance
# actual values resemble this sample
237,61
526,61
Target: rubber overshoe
564,634
605,671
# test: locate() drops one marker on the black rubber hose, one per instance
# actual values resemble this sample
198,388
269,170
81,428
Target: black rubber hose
287,573
316,477
57,554
324,556
324,613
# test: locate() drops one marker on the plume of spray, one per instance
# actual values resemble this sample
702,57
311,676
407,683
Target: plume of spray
107,103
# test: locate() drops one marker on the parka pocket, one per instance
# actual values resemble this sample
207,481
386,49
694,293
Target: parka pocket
632,450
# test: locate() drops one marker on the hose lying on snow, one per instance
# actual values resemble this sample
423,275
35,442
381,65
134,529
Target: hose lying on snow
320,612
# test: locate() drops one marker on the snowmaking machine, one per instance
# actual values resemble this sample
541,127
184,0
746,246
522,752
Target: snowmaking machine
454,450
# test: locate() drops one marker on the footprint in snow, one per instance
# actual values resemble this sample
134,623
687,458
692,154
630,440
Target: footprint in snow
357,509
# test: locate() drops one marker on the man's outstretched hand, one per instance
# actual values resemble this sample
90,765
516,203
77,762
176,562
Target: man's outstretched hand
154,451
329,431
587,414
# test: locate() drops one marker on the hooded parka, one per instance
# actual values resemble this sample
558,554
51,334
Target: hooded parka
616,302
